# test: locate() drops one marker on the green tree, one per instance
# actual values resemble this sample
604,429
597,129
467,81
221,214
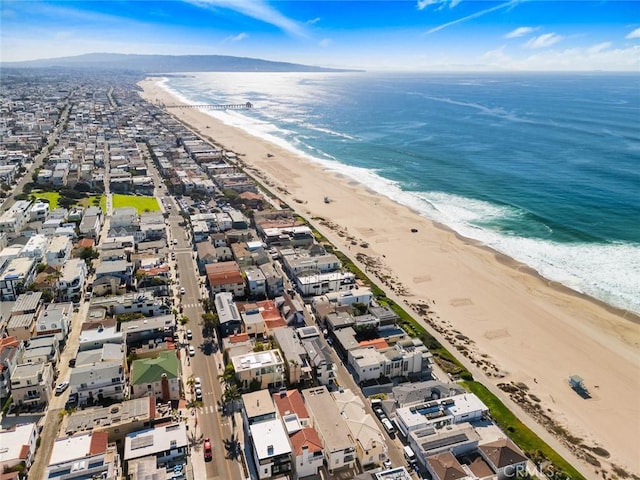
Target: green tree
210,322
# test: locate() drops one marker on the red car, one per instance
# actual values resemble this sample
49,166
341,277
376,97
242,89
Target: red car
208,454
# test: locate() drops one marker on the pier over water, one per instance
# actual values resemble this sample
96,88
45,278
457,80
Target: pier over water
231,106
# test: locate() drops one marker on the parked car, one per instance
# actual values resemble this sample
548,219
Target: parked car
182,291
189,335
192,351
72,362
198,394
61,387
208,453
197,383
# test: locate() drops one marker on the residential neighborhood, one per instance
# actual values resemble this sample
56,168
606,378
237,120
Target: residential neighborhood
162,315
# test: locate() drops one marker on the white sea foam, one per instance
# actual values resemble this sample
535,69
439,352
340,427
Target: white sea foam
609,272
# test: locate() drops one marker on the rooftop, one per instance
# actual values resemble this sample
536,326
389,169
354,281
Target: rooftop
155,440
270,439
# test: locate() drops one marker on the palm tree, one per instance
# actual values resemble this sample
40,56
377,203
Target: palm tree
190,383
229,375
231,393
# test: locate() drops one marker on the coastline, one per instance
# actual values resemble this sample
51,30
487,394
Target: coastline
531,329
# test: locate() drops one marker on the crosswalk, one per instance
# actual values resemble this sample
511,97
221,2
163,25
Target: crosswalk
191,305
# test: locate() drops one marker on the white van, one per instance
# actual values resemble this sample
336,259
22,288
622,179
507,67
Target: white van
388,426
409,454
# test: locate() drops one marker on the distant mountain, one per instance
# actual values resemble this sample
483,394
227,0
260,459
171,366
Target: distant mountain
167,63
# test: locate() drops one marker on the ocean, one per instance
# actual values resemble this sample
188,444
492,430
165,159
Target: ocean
544,168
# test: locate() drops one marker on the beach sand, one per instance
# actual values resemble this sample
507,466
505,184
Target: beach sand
523,328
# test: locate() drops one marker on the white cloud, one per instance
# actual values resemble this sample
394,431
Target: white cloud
600,47
313,21
325,42
257,9
237,38
596,57
520,32
422,4
634,34
543,41
472,16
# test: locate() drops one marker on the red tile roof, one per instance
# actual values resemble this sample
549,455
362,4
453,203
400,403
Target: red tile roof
377,343
239,337
307,437
86,243
24,452
291,402
99,441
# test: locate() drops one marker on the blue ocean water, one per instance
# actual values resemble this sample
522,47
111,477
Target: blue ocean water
542,167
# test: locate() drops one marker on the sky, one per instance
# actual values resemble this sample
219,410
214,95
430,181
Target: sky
405,35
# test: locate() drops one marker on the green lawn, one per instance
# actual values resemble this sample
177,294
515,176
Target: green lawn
142,204
51,197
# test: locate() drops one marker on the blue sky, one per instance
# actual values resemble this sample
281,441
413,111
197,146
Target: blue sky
375,35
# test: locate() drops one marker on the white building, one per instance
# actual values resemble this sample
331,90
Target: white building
55,319
58,251
167,443
266,367
71,281
31,384
84,456
14,219
271,449
18,445
325,282
440,413
35,247
98,381
16,277
256,282
404,359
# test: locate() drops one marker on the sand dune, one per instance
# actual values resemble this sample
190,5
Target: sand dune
526,328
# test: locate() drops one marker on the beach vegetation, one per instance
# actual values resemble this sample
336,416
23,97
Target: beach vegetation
140,203
530,443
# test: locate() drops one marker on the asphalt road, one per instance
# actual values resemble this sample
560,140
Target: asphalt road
204,364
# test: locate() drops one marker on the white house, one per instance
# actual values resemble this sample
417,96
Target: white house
58,251
167,443
16,217
31,384
271,449
88,455
55,319
18,445
71,281
35,247
96,381
16,277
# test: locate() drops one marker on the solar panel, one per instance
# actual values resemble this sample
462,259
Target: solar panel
142,442
444,442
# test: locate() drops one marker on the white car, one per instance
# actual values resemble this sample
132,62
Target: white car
197,383
189,335
175,241
182,291
192,351
61,387
198,394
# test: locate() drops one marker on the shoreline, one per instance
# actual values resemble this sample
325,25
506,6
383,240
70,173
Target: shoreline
529,328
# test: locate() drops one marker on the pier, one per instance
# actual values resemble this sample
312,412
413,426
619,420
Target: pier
231,106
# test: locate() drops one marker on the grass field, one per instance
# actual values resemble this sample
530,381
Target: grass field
141,204
51,197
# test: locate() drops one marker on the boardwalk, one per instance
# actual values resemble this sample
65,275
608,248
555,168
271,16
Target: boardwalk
232,106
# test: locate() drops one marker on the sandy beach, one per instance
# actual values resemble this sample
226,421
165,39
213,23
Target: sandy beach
523,328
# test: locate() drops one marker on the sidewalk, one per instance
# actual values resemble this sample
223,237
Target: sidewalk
195,458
